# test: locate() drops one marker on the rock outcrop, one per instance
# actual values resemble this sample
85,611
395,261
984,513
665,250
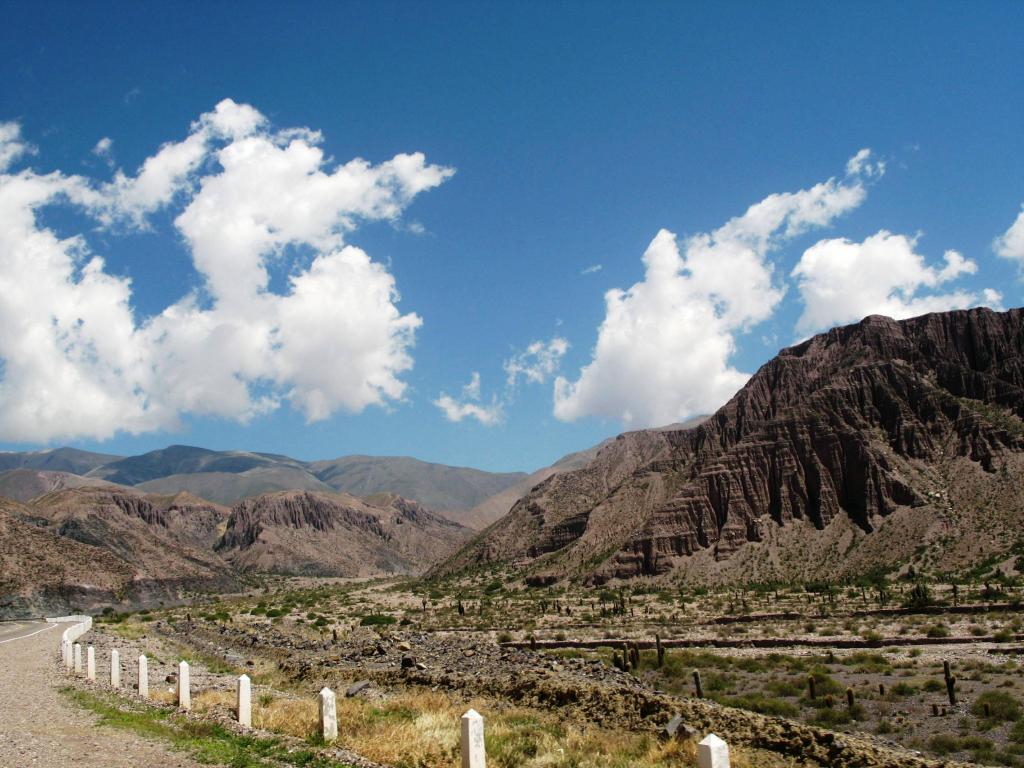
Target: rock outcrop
837,433
319,534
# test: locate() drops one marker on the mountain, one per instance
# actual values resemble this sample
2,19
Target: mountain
437,486
225,477
69,460
26,484
875,444
163,544
42,573
317,534
498,505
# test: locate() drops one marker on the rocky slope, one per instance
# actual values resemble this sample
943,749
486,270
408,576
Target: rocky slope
41,572
318,534
497,506
163,543
26,484
862,434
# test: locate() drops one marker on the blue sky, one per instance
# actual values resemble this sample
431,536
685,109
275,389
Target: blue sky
576,131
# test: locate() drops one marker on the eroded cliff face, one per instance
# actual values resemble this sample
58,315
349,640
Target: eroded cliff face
850,423
317,534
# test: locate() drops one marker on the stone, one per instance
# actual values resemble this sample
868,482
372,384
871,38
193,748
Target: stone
115,669
244,701
474,754
712,752
328,715
408,662
355,688
184,690
90,663
677,729
143,676
78,658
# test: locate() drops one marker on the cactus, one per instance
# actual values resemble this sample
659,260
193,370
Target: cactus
661,651
697,685
811,689
850,698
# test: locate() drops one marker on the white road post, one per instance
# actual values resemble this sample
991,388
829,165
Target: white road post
474,755
115,669
328,715
78,658
184,692
244,701
143,676
90,664
712,752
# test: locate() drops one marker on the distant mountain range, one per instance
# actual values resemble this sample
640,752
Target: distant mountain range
225,477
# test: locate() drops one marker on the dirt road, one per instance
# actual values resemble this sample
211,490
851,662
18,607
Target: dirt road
40,728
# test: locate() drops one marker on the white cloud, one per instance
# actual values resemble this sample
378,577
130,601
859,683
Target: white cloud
1010,244
663,351
592,269
12,146
469,407
103,147
538,362
842,281
76,362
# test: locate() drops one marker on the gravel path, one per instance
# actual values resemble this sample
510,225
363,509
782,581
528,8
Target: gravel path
39,728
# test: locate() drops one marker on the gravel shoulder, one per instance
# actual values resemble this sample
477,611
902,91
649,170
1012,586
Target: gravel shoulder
40,728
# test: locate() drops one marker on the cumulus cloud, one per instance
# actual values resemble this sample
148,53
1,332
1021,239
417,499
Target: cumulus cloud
841,281
469,407
77,362
663,350
1009,245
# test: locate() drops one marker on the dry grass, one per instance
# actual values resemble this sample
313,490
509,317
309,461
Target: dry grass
421,730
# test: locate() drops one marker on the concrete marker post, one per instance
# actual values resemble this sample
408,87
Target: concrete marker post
244,701
712,752
328,715
143,676
90,664
474,753
78,658
184,690
115,669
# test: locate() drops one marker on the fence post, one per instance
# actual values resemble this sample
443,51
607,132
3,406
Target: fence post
143,676
474,754
184,691
244,701
78,658
712,752
328,715
115,669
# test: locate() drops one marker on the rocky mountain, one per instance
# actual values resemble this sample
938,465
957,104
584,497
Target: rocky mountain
871,445
318,534
162,543
498,505
43,573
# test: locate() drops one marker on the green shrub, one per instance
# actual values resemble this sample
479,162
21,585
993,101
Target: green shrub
1002,706
375,619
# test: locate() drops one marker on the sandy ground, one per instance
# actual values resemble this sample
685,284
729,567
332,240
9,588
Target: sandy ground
39,728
